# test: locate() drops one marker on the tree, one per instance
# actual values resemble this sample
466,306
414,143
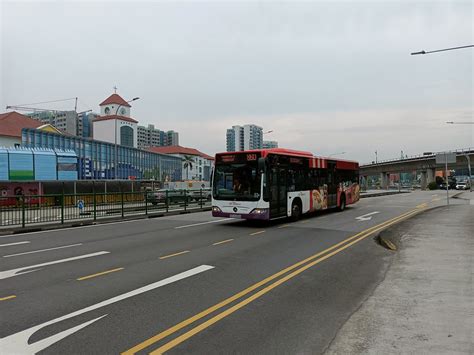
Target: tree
188,164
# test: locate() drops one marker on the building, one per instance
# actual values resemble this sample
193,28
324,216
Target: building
11,124
114,125
198,168
270,144
153,137
84,124
66,121
26,164
246,137
105,160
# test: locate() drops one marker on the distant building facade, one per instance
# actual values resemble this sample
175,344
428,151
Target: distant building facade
201,164
270,144
152,137
66,121
246,137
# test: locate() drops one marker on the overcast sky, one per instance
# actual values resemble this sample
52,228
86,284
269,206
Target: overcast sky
327,77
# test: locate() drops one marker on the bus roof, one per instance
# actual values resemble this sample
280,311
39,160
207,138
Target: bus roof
290,152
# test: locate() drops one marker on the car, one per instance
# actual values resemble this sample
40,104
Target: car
167,195
462,185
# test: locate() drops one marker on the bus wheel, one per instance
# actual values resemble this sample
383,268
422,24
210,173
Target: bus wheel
342,205
296,211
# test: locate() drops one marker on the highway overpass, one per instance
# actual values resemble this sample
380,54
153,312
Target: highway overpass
425,164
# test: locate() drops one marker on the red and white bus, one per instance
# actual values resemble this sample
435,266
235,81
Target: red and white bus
275,183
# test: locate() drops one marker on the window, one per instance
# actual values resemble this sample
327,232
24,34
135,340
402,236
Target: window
126,136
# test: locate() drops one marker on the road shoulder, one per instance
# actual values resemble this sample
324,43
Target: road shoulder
425,302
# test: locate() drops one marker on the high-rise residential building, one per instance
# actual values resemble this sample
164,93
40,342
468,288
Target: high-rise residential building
153,137
66,121
172,138
84,124
246,137
270,144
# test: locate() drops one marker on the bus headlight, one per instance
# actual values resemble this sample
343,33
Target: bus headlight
259,211
216,209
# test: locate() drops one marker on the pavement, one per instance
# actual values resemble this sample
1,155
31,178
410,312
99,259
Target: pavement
196,284
425,303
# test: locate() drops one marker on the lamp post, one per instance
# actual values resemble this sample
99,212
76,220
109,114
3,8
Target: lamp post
115,137
441,50
330,155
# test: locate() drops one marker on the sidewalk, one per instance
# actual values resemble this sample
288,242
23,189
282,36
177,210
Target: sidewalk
425,304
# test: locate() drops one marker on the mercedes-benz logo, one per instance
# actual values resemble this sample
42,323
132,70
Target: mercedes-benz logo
235,209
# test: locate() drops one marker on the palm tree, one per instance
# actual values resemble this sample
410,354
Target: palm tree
188,164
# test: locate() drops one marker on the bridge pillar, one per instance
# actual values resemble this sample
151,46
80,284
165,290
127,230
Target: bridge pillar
423,183
384,179
430,175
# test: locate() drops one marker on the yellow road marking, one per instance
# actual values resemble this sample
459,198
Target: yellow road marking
7,298
259,232
224,241
284,226
175,254
304,221
246,291
423,205
435,199
260,293
99,274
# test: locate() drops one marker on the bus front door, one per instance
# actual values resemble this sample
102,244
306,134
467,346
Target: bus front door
278,192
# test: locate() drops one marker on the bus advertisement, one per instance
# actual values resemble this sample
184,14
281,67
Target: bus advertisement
276,183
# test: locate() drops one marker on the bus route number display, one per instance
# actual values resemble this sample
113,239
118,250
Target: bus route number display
251,157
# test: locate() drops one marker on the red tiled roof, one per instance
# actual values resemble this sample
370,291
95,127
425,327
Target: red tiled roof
113,117
177,149
115,99
11,123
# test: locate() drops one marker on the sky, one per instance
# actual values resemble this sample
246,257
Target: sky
327,77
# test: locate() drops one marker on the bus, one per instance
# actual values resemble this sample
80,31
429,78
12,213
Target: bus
267,184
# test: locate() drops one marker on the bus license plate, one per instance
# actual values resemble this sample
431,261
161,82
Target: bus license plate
235,216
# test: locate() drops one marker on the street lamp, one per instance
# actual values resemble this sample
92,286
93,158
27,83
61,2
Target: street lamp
115,136
330,155
441,50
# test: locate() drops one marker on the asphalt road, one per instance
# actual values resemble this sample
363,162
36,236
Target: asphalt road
195,284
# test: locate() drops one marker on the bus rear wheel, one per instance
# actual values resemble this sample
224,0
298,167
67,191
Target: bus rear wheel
295,211
342,204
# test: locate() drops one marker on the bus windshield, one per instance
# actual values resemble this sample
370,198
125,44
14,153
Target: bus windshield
239,182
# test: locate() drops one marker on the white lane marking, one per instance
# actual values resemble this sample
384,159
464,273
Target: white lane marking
42,250
17,243
367,216
18,343
26,269
200,224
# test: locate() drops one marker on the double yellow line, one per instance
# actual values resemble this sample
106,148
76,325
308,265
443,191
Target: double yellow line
292,271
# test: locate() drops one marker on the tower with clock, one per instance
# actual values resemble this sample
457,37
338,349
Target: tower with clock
114,124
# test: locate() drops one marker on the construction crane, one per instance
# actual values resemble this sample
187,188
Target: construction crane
27,107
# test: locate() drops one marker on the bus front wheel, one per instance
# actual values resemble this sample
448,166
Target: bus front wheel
296,211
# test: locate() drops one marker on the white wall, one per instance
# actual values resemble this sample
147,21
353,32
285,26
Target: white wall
7,141
104,131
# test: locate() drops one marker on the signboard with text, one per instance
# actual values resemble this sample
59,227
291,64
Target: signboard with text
443,158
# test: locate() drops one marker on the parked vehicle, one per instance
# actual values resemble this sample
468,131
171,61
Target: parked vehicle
177,196
462,185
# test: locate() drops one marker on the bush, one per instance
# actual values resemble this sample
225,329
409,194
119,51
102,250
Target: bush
432,185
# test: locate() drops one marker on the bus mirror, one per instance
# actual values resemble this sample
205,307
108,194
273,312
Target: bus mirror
261,165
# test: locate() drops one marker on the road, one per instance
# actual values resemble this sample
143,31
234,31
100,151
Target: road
194,284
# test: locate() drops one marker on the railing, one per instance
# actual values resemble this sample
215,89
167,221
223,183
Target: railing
22,211
417,157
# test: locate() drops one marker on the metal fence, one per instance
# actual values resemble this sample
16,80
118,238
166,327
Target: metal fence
22,211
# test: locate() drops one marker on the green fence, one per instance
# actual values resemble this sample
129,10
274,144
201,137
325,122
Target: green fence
22,211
